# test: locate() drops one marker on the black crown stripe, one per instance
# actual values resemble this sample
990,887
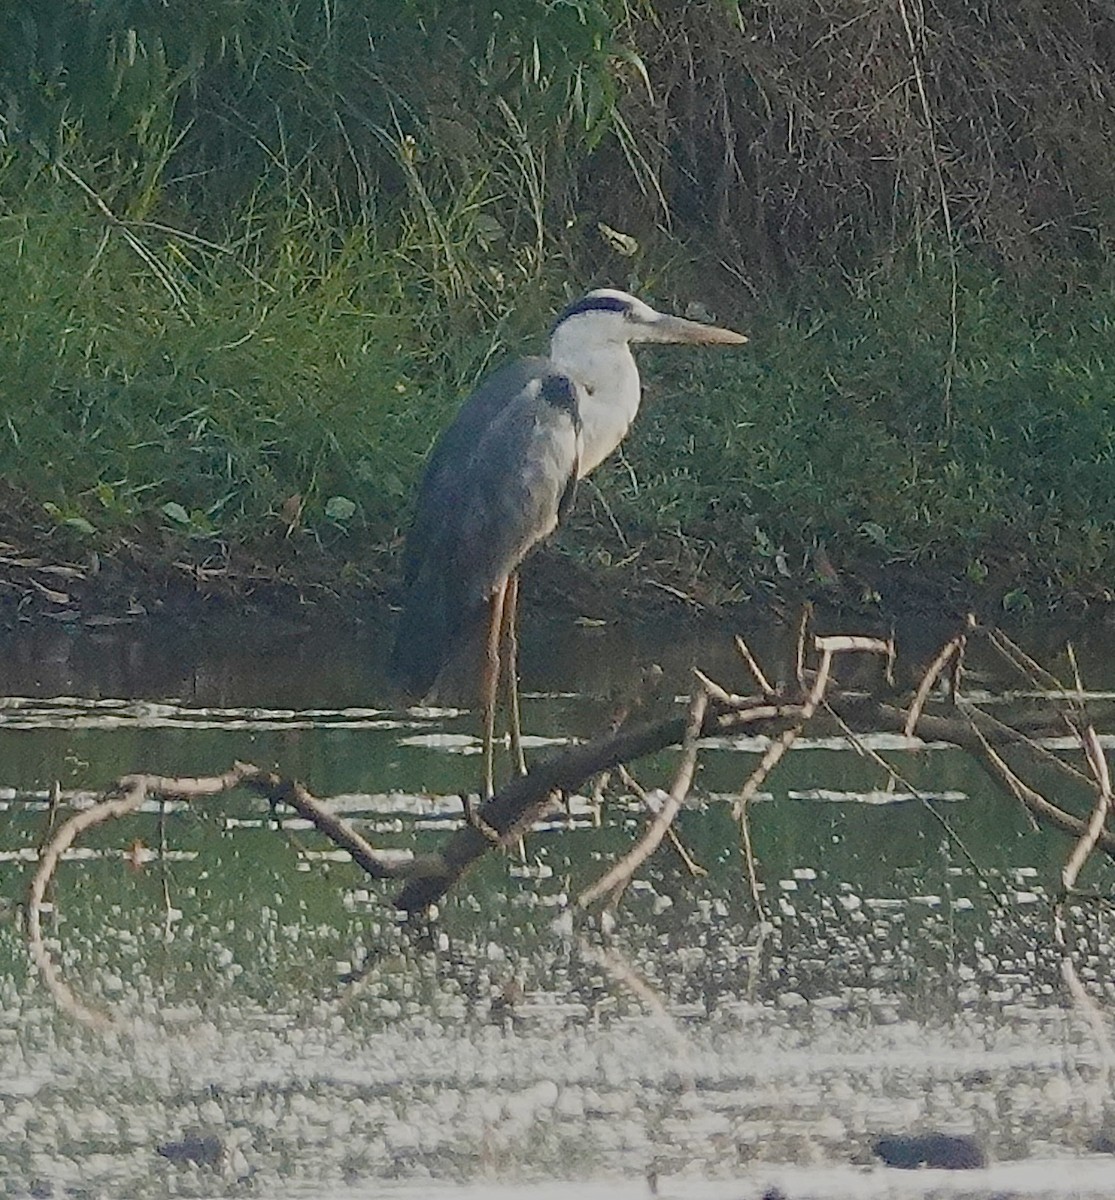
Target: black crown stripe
593,304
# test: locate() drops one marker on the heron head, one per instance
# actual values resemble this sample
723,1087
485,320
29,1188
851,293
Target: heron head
610,316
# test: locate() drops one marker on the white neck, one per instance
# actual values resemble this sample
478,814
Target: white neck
608,391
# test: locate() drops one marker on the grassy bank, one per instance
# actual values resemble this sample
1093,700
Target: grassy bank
283,392
252,263
854,441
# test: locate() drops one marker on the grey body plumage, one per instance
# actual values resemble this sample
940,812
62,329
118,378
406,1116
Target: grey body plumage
481,509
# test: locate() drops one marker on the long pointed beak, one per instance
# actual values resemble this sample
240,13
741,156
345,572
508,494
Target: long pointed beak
678,329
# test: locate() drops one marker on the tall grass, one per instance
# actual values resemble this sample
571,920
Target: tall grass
156,380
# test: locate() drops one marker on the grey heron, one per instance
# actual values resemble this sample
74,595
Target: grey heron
504,473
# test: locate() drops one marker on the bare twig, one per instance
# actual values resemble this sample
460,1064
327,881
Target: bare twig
774,753
952,647
622,871
716,692
127,795
691,865
753,667
1093,751
1031,670
749,858
279,790
1038,805
896,777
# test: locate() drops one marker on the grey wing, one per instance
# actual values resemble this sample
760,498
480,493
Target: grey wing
522,471
479,521
454,448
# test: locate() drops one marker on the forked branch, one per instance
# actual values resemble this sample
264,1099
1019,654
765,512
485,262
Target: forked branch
125,797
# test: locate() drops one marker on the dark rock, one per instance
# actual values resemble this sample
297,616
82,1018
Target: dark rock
205,1151
953,1152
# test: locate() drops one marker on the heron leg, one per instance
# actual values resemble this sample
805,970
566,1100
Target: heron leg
510,652
490,683
509,668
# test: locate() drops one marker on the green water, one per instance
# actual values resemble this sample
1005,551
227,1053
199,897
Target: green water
901,975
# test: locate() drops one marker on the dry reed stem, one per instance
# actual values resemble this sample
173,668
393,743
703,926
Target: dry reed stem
151,262
946,212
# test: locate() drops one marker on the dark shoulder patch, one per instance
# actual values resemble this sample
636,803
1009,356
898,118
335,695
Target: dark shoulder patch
558,391
592,304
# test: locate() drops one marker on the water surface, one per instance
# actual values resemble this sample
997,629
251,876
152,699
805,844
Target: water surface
900,977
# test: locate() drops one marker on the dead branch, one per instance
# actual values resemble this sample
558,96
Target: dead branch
977,739
279,790
519,803
623,871
691,865
523,799
127,795
753,667
124,797
777,751
1093,751
515,808
953,647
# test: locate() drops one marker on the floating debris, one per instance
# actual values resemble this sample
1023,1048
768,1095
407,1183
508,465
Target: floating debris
201,1150
952,1152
